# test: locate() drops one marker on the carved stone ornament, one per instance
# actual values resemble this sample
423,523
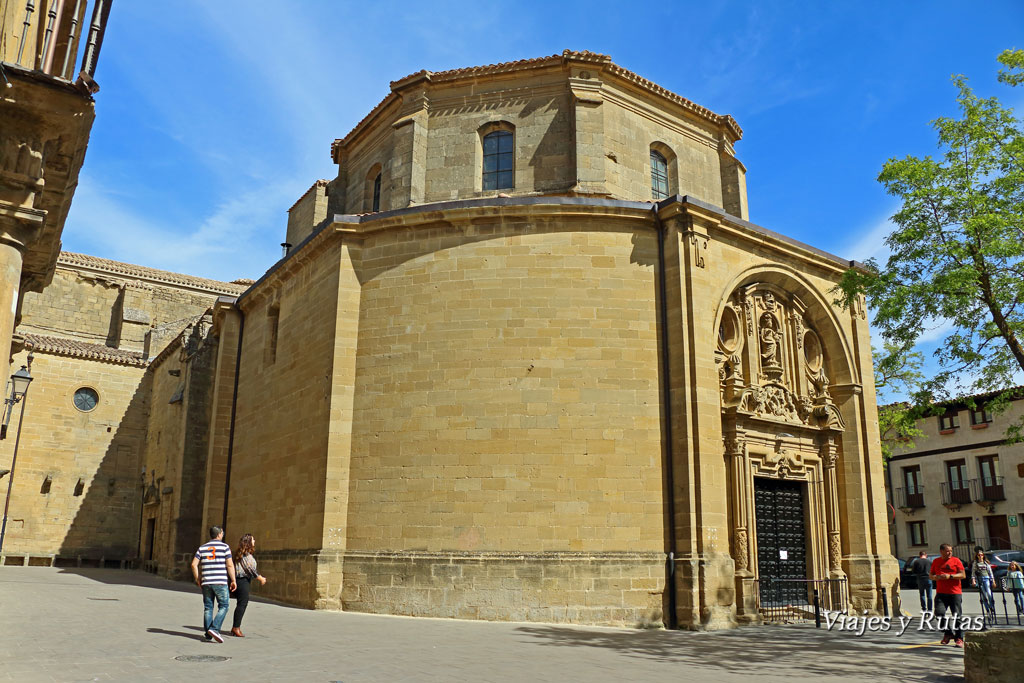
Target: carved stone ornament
771,400
741,549
783,464
835,552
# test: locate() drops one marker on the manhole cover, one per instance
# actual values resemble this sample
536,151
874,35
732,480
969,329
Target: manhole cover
201,658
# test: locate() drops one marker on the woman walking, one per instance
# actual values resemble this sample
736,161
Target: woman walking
245,573
981,576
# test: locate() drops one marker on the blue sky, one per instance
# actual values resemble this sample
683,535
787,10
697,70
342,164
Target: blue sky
214,117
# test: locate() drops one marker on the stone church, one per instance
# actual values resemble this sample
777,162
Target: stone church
525,358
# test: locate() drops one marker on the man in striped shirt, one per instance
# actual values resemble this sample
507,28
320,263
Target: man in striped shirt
218,577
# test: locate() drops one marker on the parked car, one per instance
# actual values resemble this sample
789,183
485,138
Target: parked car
1001,559
907,579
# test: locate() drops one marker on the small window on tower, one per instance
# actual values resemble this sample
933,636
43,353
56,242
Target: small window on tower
499,162
659,175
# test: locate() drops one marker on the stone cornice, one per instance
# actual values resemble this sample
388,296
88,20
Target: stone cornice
60,346
598,62
93,264
357,226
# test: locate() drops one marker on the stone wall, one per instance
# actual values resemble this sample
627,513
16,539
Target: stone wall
76,485
994,656
78,480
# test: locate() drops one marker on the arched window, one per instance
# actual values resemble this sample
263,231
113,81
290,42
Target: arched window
659,175
376,193
499,162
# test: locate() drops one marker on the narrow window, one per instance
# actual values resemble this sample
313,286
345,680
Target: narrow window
498,161
962,531
917,534
949,422
659,176
376,193
273,316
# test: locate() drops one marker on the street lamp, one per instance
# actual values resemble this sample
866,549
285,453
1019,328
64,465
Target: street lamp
19,389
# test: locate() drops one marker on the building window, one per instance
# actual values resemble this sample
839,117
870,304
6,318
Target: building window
956,482
659,175
499,162
948,422
980,416
962,531
376,193
915,531
86,399
914,497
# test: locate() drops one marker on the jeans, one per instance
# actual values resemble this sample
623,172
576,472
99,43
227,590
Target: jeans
954,602
988,601
924,588
243,585
1018,599
211,621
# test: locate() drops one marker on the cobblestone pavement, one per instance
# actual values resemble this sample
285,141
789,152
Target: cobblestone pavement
87,625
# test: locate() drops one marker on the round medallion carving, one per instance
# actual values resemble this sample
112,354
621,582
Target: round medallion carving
813,354
729,337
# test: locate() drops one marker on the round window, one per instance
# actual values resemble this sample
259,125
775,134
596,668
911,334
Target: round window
86,399
729,331
813,354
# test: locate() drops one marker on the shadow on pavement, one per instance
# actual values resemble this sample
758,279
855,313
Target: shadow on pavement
182,634
779,649
130,577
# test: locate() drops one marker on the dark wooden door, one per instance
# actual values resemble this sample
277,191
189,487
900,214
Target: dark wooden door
956,477
781,538
998,532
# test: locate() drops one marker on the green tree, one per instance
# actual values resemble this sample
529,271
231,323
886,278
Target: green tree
899,373
957,252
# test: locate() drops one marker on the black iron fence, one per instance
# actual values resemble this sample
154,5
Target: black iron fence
955,493
789,600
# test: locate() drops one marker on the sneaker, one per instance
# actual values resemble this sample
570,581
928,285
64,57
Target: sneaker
207,637
959,642
216,636
945,640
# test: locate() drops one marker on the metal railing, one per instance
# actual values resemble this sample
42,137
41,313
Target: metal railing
986,489
955,493
789,600
910,497
50,37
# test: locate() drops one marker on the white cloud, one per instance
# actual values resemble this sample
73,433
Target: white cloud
870,242
236,238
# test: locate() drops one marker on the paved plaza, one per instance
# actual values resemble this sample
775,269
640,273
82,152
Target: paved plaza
93,624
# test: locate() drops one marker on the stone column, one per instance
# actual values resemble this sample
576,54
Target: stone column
18,226
588,126
705,578
409,167
739,498
829,455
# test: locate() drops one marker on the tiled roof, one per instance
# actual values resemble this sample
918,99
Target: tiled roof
603,62
67,258
78,349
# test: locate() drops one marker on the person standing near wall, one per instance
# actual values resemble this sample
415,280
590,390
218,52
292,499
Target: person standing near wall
218,577
946,572
247,573
1014,581
922,570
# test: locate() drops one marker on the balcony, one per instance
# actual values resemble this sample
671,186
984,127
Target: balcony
910,498
955,494
987,489
47,37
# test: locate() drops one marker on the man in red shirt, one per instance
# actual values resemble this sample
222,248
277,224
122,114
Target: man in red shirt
946,572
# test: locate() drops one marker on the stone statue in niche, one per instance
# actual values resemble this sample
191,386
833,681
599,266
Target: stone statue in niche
771,342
